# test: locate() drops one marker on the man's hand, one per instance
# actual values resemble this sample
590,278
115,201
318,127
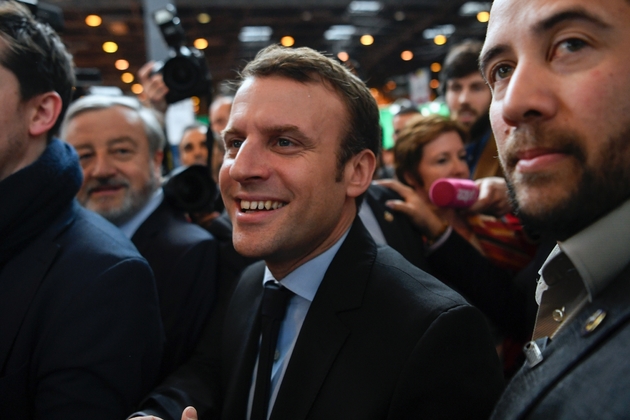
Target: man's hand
493,197
154,86
189,413
420,211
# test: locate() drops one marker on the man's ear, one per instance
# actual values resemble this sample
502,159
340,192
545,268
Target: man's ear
45,109
359,171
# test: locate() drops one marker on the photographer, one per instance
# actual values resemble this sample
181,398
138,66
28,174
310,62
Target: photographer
120,143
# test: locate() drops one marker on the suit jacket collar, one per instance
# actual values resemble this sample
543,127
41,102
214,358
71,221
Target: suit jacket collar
569,348
143,237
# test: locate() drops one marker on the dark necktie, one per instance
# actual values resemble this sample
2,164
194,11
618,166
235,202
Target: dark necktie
274,305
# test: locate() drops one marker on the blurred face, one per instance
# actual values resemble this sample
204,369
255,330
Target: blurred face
561,107
219,115
278,175
444,157
119,172
468,98
193,149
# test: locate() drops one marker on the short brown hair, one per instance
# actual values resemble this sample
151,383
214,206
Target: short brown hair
36,56
419,131
306,65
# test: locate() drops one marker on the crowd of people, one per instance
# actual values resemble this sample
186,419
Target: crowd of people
329,282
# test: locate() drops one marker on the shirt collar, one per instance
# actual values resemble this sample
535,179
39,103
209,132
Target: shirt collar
305,280
600,251
129,228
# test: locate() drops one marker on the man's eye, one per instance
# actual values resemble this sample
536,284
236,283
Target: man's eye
572,45
284,142
502,72
85,156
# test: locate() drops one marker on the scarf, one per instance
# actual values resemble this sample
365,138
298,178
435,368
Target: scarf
33,197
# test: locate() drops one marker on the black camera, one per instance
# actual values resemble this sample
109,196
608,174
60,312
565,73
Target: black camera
185,72
191,189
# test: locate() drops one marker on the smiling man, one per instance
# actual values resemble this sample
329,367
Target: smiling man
366,334
119,143
561,114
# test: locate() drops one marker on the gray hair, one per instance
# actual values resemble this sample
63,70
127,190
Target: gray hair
152,127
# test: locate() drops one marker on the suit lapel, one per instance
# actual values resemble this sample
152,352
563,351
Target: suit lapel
19,281
241,337
143,237
570,347
323,333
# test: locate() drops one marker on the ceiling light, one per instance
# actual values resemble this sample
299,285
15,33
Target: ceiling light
110,47
340,32
343,56
255,34
137,88
483,17
93,20
365,7
287,41
406,55
367,40
399,16
121,64
200,43
434,84
204,18
439,39
127,77
436,67
118,28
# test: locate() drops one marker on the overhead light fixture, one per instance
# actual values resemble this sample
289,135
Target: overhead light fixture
127,77
340,32
137,88
483,17
287,41
255,33
436,67
343,56
201,43
204,18
445,30
406,55
367,40
365,7
110,47
471,8
93,20
121,64
439,39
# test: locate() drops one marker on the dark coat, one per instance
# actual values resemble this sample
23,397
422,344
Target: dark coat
583,375
382,340
183,257
81,335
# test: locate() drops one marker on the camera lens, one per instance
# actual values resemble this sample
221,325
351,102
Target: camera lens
181,73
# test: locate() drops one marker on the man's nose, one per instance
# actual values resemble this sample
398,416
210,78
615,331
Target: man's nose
103,167
250,162
528,95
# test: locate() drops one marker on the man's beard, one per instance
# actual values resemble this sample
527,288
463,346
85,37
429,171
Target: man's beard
132,203
602,186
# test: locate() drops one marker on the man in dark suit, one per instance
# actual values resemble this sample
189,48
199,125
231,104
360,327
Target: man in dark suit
366,334
120,147
80,334
560,113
